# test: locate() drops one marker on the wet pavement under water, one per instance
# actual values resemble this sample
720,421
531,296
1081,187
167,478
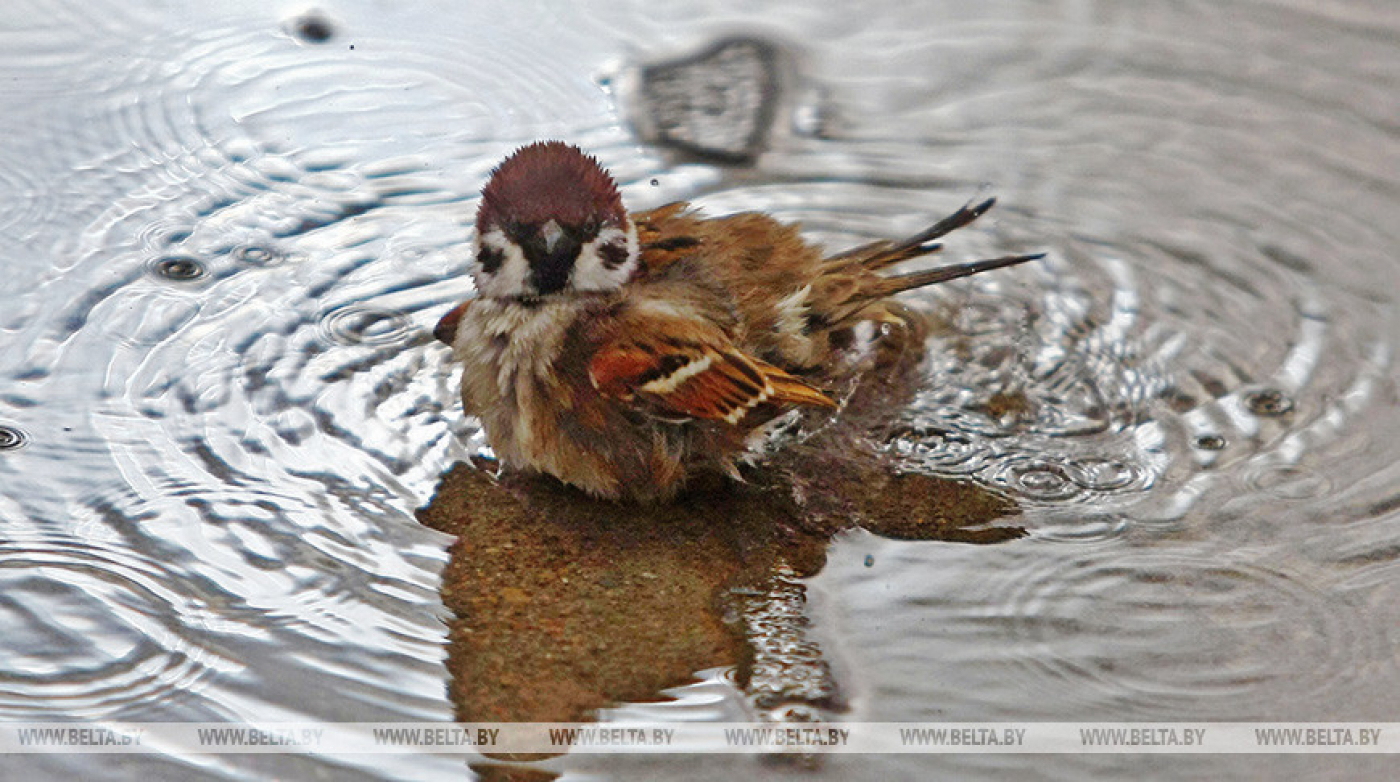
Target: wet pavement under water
229,233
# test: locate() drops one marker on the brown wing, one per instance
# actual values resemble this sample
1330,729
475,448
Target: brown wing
446,329
688,369
667,234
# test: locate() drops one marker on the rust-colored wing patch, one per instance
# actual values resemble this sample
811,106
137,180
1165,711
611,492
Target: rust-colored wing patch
667,234
696,376
446,329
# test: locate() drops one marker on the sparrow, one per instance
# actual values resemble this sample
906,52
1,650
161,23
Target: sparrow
623,353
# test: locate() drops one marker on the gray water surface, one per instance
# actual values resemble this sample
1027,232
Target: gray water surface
226,236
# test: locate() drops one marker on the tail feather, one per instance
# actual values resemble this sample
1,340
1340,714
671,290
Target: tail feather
878,255
837,302
888,286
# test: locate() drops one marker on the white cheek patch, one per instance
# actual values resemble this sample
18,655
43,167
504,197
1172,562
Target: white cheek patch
513,276
591,270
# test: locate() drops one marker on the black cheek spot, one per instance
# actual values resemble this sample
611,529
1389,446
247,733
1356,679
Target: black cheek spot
490,259
613,253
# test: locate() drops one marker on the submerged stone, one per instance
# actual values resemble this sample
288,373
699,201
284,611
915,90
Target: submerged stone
719,103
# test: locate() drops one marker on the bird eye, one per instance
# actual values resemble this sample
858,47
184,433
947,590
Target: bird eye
585,231
490,259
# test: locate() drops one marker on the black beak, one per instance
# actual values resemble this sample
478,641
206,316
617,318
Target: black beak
550,269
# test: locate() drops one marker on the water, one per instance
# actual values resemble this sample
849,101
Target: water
229,231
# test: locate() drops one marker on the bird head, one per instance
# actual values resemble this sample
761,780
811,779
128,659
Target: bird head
550,221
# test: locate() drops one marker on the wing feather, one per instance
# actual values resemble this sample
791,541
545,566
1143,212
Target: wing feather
694,372
446,329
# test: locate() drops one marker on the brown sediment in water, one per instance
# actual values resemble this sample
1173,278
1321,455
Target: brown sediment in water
1007,403
564,604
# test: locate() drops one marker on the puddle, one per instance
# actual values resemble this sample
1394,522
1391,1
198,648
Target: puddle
232,231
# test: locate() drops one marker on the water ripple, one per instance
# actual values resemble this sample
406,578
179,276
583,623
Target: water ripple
12,437
357,325
108,641
1189,636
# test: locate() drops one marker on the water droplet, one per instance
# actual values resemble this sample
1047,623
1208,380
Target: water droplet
11,438
656,183
257,255
1103,474
810,119
180,268
1039,480
1268,402
870,560
939,449
356,325
1210,442
1042,478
